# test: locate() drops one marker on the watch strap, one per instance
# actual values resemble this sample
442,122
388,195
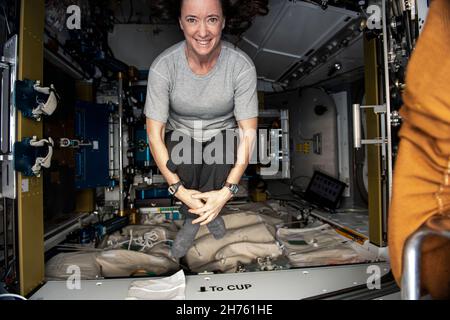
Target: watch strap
173,188
232,187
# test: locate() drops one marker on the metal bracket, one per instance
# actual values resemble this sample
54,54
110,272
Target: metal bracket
8,61
73,143
278,152
8,120
378,109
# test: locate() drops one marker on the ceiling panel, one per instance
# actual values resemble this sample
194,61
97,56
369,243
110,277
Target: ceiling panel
303,27
271,66
262,24
247,48
291,29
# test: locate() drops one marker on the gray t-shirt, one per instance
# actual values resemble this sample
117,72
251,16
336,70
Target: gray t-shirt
207,103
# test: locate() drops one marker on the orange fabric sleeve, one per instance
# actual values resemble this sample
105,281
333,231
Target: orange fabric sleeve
422,170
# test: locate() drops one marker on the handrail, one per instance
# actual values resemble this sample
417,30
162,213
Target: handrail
437,225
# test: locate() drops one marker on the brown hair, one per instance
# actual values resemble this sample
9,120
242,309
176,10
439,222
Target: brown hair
239,13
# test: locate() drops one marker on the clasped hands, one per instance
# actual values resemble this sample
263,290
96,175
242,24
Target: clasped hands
205,204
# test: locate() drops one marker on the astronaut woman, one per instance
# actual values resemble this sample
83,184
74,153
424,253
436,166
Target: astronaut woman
198,91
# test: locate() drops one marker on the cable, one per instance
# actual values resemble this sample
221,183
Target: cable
146,241
131,239
6,21
131,11
287,200
8,270
279,195
351,210
122,12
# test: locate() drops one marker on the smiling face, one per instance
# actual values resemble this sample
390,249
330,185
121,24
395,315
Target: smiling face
202,22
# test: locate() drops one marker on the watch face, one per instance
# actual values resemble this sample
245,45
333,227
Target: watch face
234,188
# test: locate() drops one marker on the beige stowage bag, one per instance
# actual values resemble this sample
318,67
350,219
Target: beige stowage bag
124,263
111,263
248,237
316,246
228,258
114,261
63,265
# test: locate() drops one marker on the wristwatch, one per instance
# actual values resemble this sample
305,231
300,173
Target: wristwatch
234,188
173,188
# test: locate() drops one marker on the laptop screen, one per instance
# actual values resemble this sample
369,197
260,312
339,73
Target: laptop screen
324,191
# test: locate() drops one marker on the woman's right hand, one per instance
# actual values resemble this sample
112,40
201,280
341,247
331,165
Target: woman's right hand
185,196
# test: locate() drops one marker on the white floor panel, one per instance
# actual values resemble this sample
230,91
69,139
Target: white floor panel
274,285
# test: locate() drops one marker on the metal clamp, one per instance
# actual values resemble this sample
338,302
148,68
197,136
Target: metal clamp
31,155
437,225
33,100
378,109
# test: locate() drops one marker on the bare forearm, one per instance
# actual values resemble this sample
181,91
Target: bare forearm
244,151
236,173
161,156
159,152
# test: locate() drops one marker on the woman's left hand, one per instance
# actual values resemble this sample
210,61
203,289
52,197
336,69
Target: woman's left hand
214,202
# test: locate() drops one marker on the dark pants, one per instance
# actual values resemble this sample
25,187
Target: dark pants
201,176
